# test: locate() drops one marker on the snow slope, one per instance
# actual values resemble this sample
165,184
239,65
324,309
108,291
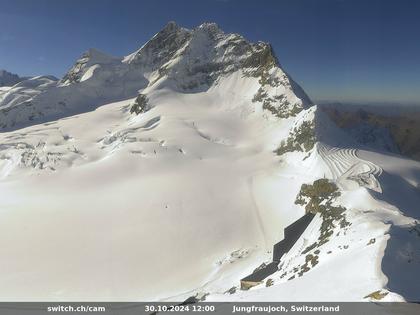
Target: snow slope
377,252
189,196
137,197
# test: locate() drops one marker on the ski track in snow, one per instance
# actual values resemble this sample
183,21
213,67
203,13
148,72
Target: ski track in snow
346,167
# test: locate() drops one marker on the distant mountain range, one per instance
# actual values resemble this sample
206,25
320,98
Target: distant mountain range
9,79
393,128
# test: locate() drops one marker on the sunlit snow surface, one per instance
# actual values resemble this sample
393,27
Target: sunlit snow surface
189,197
107,205
185,198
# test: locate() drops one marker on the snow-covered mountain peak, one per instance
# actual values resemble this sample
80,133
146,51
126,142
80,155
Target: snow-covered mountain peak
8,78
96,56
171,26
90,58
205,44
194,60
209,27
201,136
160,48
184,60
176,58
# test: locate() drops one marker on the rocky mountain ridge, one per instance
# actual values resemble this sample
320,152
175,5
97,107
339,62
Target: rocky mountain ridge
9,79
202,140
175,58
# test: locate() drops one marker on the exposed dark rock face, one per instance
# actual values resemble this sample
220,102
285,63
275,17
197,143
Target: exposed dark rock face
318,197
89,58
75,73
141,104
196,59
161,48
9,79
301,138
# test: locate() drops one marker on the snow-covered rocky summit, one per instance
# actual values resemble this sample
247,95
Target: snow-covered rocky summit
172,172
85,66
9,79
194,60
176,58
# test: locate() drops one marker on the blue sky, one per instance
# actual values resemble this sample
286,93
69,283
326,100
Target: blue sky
351,51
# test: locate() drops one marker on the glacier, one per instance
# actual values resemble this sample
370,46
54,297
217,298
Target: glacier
188,195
